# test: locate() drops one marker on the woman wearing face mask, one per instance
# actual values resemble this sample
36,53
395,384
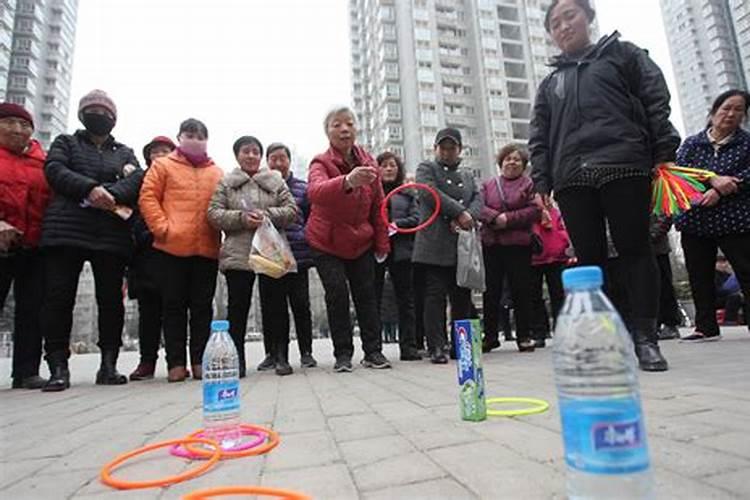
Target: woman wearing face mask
240,203
92,177
174,203
508,213
600,126
722,217
404,214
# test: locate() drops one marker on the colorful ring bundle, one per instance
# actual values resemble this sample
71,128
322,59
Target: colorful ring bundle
246,430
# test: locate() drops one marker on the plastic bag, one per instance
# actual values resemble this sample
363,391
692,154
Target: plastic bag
470,267
270,253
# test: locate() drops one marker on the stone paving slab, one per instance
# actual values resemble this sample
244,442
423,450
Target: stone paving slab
372,434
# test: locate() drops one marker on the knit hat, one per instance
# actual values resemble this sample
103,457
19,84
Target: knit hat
8,110
159,139
97,98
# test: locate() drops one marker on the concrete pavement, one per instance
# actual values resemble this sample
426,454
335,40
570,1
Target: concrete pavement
371,434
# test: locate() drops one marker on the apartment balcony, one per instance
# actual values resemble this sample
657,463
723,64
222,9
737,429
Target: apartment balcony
451,59
452,120
27,88
30,29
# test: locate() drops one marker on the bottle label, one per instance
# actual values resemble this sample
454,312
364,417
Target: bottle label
221,396
604,436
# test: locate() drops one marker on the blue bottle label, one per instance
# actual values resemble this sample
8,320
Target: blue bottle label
221,396
604,436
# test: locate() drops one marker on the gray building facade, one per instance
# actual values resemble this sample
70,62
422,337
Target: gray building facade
420,65
39,60
709,42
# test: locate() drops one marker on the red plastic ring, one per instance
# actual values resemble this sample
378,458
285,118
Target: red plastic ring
425,224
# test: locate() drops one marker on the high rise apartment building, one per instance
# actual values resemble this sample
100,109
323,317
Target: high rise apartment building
37,39
709,41
420,65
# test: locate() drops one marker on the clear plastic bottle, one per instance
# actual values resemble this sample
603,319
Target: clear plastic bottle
604,432
221,387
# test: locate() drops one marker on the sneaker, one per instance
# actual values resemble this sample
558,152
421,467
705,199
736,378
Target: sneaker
669,332
283,368
410,354
343,365
307,361
437,357
526,345
267,364
376,360
698,337
488,345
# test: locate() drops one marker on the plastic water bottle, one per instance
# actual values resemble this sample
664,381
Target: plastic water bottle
604,433
221,387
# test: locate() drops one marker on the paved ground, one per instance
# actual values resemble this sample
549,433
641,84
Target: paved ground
378,434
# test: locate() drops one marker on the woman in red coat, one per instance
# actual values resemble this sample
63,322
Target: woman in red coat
24,196
347,236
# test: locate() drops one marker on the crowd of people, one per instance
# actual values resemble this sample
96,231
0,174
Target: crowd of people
600,126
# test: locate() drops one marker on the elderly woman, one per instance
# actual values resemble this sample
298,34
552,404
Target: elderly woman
404,213
24,196
347,235
240,203
93,179
174,203
508,213
722,217
435,248
600,125
143,277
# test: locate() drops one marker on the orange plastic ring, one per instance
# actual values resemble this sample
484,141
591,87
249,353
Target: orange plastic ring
246,490
273,442
106,473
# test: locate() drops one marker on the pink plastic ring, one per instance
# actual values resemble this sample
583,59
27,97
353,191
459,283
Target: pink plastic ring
416,185
260,438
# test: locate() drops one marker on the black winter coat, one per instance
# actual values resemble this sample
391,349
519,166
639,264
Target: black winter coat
404,212
75,166
610,107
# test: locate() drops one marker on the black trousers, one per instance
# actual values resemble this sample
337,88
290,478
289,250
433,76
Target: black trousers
439,283
275,315
418,284
294,290
339,277
24,270
240,291
401,276
188,288
552,274
700,260
62,267
515,263
669,311
147,275
625,205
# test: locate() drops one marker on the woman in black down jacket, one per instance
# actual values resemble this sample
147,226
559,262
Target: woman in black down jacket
94,180
403,214
599,127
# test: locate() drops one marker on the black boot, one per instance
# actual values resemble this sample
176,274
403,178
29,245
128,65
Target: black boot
59,378
108,374
646,340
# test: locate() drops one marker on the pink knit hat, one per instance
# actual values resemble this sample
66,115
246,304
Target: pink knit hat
97,98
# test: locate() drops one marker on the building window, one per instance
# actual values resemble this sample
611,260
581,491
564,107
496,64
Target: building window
395,133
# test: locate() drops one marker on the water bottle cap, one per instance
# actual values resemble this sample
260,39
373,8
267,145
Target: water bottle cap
220,326
582,277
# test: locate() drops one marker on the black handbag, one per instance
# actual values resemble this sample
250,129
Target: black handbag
537,245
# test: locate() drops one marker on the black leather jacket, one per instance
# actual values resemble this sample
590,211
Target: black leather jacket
606,108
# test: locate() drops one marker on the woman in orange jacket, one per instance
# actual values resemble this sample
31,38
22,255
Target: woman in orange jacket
174,202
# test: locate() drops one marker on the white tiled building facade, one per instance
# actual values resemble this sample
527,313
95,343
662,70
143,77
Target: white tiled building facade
420,65
41,38
709,41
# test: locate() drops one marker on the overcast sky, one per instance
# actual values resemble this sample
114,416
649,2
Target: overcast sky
269,68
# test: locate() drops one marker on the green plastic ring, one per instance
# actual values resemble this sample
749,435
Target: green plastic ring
536,406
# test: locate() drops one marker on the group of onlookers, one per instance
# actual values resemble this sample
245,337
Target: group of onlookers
600,126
